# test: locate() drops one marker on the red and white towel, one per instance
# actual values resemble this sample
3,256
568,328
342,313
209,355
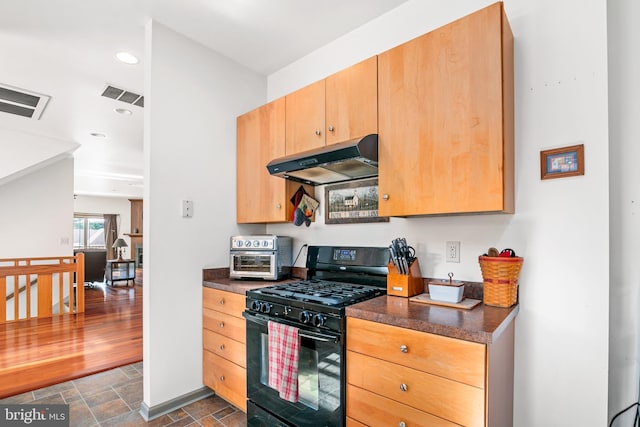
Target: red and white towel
284,354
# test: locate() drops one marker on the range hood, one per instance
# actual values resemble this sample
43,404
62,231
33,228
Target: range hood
340,162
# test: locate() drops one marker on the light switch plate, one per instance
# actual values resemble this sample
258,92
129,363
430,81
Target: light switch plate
187,208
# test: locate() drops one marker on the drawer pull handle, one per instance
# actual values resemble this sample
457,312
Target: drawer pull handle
403,387
222,301
404,348
221,346
402,424
221,377
222,324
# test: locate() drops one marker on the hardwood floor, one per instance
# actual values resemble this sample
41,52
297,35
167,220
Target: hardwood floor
39,353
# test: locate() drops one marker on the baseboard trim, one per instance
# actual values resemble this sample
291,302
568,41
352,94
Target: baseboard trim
171,405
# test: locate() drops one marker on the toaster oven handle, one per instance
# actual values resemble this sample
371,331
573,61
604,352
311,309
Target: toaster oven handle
302,333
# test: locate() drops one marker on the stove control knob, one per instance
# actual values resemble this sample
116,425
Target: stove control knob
318,320
256,305
305,317
266,308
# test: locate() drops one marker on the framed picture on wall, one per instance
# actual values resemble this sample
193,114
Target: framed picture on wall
562,162
352,202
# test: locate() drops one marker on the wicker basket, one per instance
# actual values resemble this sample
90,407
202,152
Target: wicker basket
500,276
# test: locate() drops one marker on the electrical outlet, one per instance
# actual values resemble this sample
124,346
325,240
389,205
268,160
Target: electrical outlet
452,252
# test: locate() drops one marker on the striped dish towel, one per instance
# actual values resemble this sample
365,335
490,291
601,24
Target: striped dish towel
284,354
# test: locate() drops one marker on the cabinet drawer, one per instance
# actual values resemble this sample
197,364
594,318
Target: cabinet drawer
373,410
224,324
458,360
226,302
227,379
451,400
225,347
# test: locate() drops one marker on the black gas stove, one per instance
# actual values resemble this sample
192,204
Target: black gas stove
339,277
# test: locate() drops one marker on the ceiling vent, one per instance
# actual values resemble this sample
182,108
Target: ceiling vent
21,102
123,95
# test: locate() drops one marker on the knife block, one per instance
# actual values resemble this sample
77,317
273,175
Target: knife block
405,285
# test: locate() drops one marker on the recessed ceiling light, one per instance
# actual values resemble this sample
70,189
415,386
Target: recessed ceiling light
123,111
98,135
127,58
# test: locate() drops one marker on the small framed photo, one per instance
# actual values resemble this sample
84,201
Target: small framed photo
352,202
562,162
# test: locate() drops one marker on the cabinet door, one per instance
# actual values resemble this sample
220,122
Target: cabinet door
442,146
305,118
260,139
351,102
227,379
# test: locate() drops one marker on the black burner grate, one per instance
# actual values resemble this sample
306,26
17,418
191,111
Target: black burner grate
321,291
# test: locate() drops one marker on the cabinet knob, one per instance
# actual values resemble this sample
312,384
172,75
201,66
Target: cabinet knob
221,377
318,132
222,301
221,346
404,348
331,129
222,324
278,206
403,387
385,197
402,424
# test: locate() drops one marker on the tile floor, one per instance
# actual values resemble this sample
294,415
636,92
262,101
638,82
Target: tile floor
113,398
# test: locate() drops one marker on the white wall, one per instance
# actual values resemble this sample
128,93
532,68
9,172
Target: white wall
192,97
36,213
560,226
624,110
108,205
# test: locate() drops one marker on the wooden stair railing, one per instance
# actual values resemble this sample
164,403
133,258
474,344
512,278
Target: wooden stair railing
49,274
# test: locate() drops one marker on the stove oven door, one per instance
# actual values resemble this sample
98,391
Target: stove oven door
320,376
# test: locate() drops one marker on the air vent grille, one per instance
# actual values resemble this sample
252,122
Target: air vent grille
22,102
123,95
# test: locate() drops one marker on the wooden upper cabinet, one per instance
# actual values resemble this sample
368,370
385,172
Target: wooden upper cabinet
339,108
445,104
351,102
260,139
305,118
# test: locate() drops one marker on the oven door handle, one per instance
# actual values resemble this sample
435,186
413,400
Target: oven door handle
302,333
319,337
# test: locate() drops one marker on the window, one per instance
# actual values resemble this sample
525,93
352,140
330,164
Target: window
88,232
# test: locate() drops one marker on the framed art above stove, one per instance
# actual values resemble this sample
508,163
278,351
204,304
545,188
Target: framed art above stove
352,202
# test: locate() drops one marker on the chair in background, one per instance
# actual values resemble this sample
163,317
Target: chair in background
95,262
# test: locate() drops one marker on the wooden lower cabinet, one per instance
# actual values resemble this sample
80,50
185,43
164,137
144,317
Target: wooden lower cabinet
403,377
226,378
224,349
365,408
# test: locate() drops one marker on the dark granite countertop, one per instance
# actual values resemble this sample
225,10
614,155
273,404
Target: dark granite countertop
218,278
482,324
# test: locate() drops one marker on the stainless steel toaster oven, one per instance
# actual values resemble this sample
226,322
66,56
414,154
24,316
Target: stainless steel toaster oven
265,257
